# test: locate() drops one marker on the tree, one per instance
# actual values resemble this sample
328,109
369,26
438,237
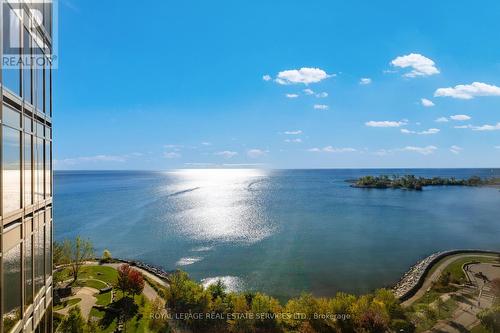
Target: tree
186,296
75,253
106,256
73,322
440,305
58,254
490,318
158,315
122,282
129,280
217,289
135,282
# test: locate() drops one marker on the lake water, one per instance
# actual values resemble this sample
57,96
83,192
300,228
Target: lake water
277,231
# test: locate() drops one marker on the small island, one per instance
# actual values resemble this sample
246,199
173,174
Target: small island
411,182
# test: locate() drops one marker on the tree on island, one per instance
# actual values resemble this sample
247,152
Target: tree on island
75,253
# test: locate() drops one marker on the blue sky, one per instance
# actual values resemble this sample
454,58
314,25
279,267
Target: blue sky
278,84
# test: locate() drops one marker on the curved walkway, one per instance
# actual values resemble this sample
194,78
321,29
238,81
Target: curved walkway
437,273
86,294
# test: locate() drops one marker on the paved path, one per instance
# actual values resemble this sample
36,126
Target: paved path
149,292
87,301
479,297
437,273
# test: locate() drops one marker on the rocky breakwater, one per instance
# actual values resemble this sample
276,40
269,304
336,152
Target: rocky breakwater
412,279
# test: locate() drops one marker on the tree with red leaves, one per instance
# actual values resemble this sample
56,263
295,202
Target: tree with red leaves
136,282
129,280
122,282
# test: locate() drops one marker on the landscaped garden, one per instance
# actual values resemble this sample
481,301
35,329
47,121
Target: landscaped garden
103,297
118,306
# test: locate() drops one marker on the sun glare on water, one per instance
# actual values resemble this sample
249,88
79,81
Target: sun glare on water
219,205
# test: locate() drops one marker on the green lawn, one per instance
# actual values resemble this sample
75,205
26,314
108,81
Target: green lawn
69,302
96,284
455,268
103,299
104,273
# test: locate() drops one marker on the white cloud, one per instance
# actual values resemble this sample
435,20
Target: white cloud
171,155
291,95
442,120
311,92
456,149
460,117
385,123
330,149
171,146
304,75
226,154
430,131
420,65
267,77
255,153
296,132
206,143
320,107
421,150
426,102
462,126
298,140
468,91
486,127
365,81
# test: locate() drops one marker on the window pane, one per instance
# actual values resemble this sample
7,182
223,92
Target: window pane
27,79
39,130
48,170
11,75
39,181
28,155
47,88
48,252
39,257
28,124
12,294
28,271
39,79
11,169
11,117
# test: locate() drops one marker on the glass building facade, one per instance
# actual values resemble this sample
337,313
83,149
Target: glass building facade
26,169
